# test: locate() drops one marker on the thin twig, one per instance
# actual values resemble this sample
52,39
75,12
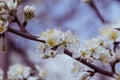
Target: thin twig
92,4
19,23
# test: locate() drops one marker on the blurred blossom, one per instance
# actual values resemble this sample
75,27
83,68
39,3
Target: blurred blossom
1,74
12,5
18,71
42,72
111,32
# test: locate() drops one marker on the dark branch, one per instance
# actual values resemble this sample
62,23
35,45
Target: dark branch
92,4
19,24
90,65
34,38
25,35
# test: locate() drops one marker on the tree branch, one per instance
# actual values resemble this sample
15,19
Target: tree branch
25,35
92,4
34,38
97,69
19,23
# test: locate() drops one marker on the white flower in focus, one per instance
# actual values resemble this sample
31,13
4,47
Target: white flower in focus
110,33
18,71
52,37
52,53
1,74
69,38
55,37
85,53
77,52
3,26
101,41
71,42
105,58
90,48
12,5
91,45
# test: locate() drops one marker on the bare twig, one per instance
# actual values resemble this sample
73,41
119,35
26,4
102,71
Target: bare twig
92,4
20,24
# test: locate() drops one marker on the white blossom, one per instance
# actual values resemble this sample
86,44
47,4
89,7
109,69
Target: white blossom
43,74
110,32
52,37
12,5
105,58
29,9
55,37
18,71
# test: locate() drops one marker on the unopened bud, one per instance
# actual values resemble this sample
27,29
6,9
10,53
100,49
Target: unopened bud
29,12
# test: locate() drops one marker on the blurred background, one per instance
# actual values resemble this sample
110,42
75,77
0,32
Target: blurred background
80,16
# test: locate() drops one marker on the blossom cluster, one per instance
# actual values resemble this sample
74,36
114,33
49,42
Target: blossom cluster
21,72
102,48
9,8
56,41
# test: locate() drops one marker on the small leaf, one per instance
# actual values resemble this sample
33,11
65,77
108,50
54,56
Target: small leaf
45,56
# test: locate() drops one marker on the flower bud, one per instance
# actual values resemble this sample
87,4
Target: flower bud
29,12
12,5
